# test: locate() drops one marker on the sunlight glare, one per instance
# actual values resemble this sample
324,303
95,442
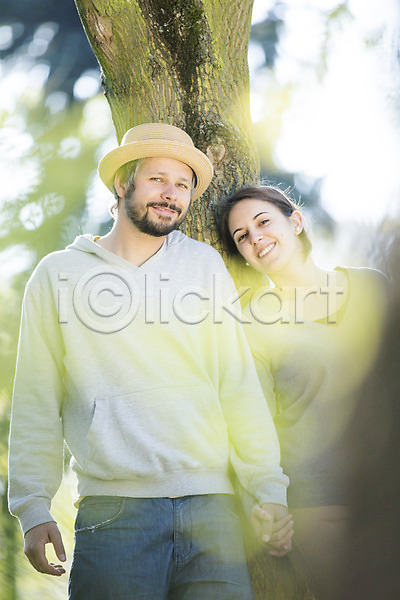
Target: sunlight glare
87,85
341,125
97,123
70,147
6,37
260,10
14,259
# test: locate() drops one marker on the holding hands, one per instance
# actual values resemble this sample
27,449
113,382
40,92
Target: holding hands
273,527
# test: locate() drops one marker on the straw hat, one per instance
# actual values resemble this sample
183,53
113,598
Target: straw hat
157,139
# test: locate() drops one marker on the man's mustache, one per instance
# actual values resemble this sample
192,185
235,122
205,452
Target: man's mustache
166,205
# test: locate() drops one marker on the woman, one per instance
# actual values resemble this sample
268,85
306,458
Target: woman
313,333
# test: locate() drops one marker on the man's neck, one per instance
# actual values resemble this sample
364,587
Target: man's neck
126,241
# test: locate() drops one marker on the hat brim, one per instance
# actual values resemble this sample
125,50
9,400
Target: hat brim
192,157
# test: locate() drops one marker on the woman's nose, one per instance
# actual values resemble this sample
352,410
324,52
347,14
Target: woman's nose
255,236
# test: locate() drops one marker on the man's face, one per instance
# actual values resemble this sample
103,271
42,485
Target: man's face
161,198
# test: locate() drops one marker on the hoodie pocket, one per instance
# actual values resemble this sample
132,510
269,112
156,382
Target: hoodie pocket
149,433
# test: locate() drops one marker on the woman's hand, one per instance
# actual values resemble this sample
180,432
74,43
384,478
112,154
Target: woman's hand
273,527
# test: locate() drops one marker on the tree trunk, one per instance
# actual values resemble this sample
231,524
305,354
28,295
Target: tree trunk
182,62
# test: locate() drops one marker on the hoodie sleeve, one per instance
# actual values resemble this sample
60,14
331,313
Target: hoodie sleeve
36,436
255,452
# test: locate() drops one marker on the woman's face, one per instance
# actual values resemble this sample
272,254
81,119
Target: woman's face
266,238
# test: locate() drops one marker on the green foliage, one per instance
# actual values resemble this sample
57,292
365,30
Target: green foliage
42,220
65,161
48,161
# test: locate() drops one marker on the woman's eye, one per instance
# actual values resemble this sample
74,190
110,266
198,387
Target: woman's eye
264,221
241,238
183,186
155,178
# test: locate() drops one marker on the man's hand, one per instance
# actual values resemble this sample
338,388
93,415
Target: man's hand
35,542
273,527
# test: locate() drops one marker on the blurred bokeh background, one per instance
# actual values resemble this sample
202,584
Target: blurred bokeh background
325,102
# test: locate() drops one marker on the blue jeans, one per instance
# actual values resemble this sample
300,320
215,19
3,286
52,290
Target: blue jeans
159,549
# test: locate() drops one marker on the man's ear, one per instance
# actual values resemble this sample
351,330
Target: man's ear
120,187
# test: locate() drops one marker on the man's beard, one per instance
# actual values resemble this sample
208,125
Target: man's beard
156,228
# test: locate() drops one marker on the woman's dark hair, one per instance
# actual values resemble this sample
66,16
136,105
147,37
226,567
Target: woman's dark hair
270,194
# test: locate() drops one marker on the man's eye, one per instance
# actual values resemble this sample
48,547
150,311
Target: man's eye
155,178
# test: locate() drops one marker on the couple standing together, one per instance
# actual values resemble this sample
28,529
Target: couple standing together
157,399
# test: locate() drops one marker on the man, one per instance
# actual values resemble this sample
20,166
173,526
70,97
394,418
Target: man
131,352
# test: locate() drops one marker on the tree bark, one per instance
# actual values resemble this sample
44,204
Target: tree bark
182,62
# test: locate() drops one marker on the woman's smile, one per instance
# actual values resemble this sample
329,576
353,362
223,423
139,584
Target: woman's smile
266,250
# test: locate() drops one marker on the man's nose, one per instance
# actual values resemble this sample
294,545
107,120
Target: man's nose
168,190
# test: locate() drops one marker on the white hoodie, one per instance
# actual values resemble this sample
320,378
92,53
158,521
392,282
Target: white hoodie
146,375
